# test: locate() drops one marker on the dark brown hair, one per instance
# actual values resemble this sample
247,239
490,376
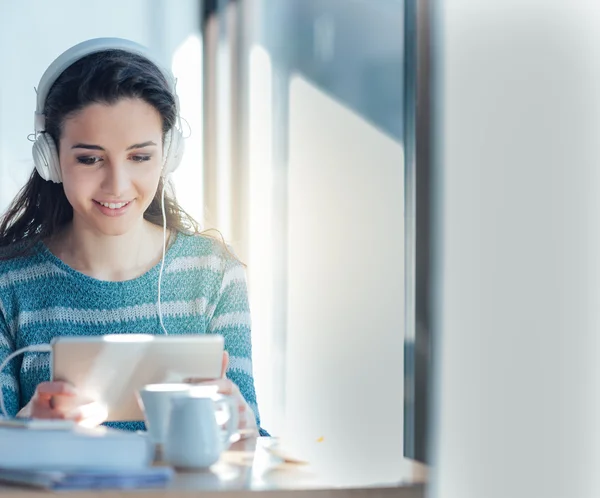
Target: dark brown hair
41,207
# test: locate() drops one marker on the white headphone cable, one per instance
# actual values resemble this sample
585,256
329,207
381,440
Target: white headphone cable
40,348
162,263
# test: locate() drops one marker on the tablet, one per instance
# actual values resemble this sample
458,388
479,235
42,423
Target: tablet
111,369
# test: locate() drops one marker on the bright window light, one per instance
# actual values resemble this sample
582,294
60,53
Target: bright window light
189,179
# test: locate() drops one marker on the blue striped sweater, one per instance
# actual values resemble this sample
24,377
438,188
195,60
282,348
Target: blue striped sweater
203,291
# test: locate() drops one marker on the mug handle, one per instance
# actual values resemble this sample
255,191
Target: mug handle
231,426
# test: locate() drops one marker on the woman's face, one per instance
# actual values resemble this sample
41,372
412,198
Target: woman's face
111,161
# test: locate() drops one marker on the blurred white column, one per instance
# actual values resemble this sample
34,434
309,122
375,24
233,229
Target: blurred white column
518,113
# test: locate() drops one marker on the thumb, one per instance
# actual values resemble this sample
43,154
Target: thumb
225,363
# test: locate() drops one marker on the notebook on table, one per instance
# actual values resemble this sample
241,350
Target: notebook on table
148,478
35,445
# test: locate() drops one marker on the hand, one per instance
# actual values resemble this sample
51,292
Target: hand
59,400
247,421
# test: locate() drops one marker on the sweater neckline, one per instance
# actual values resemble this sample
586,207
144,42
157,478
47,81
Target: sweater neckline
150,274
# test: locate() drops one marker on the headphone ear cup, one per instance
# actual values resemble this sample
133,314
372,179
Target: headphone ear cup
173,147
45,158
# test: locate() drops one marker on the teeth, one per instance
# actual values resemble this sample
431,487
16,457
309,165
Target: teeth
113,205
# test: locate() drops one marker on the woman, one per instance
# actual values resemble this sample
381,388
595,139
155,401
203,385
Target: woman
81,245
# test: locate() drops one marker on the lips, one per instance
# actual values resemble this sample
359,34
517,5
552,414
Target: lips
113,208
113,205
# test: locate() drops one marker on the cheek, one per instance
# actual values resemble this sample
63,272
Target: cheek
76,188
148,185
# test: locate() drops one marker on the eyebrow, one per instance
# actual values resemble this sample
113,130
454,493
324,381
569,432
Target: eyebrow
97,147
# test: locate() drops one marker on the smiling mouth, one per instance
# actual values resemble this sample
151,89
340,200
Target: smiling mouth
113,205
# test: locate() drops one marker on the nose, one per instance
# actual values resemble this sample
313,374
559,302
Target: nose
116,179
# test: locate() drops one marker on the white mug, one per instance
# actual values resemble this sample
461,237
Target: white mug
201,427
155,402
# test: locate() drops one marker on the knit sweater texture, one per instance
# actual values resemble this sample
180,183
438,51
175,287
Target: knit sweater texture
203,291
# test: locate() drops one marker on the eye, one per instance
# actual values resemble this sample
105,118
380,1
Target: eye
88,160
140,158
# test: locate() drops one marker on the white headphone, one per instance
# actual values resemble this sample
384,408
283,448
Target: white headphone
45,152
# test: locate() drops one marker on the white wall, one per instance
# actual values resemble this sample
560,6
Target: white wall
34,32
519,201
345,327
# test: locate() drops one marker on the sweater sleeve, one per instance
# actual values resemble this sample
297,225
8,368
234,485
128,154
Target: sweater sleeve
231,319
9,375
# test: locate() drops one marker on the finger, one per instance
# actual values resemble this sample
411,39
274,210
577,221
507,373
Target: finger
89,415
198,381
247,420
45,412
229,388
55,407
49,389
66,403
225,363
223,386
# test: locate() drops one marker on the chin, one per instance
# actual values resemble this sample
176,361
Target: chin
114,228
111,226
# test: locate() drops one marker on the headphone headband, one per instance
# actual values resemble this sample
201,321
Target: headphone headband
81,50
